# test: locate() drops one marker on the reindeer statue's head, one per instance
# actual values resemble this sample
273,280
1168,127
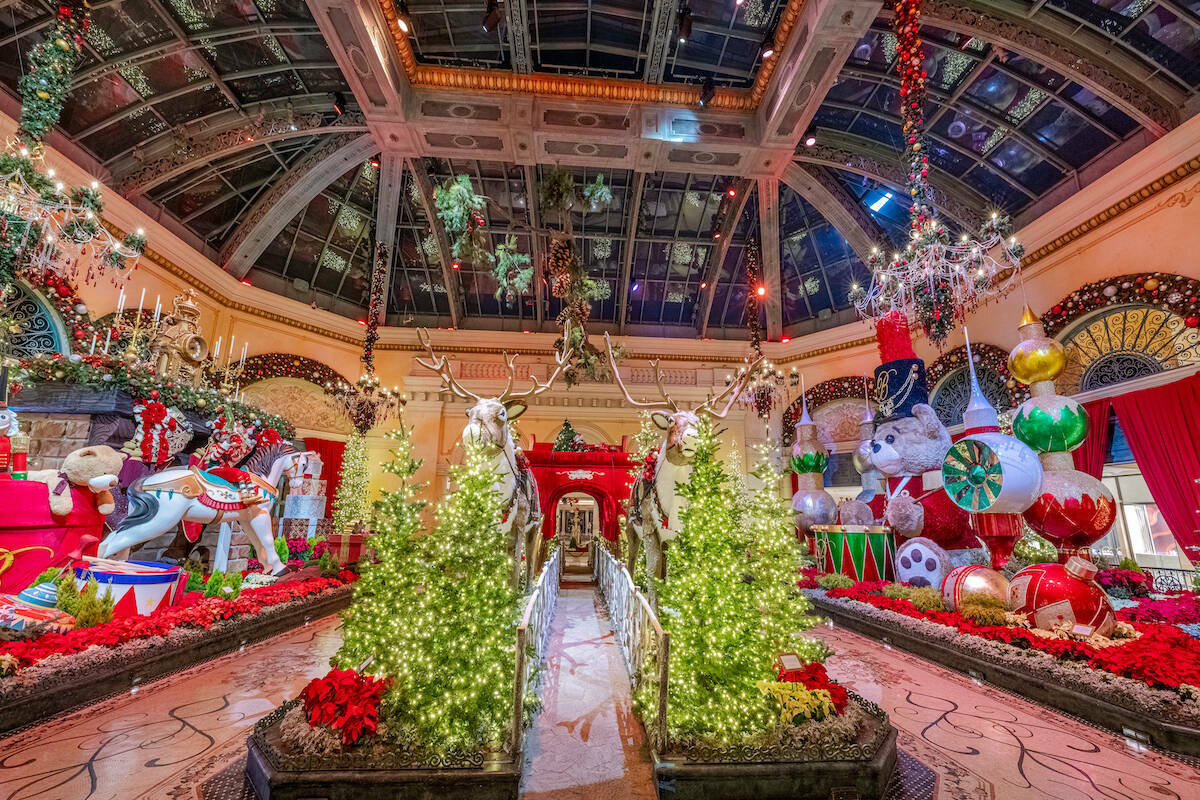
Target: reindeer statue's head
488,418
681,426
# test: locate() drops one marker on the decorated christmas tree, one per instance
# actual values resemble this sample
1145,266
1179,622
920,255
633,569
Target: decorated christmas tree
438,615
565,441
729,602
389,582
350,504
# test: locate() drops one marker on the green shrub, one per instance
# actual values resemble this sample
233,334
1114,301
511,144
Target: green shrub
329,565
281,549
50,575
982,614
835,580
1034,549
92,609
924,598
984,599
219,582
68,595
1129,564
212,588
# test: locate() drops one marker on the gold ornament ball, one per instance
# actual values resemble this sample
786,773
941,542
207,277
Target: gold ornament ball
1151,284
1038,359
977,580
201,402
43,94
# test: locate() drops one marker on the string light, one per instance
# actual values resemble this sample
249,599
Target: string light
437,612
729,602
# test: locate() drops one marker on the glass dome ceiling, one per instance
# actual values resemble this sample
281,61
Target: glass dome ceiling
214,111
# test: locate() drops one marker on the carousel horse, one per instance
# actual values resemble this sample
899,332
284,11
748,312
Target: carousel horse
159,502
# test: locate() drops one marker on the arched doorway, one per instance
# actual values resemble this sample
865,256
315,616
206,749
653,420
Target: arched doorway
604,476
577,520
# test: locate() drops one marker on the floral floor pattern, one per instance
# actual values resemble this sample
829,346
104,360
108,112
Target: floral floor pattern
183,738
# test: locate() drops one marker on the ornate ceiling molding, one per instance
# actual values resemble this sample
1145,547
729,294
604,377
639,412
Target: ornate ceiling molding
273,210
582,89
1138,95
1128,203
186,157
870,160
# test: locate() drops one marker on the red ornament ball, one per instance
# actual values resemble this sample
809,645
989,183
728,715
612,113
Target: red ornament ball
1049,594
154,394
1192,322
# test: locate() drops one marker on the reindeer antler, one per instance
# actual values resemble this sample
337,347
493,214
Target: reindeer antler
442,368
734,389
561,360
666,404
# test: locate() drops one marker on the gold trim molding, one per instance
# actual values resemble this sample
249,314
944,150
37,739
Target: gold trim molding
1160,184
573,88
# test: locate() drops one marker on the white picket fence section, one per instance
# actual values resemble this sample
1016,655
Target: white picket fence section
644,644
533,633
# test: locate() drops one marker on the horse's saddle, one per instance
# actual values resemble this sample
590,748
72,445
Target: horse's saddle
222,488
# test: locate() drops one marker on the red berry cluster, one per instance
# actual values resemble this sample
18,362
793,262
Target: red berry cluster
910,66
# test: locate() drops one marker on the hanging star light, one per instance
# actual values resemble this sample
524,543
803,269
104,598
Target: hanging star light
366,403
934,280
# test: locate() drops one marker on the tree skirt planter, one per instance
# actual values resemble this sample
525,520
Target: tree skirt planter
278,773
855,770
1128,708
61,683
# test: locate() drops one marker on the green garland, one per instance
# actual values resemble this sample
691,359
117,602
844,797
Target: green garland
44,88
103,372
514,270
461,213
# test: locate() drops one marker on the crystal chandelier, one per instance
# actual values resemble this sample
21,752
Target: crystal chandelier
764,390
366,403
934,280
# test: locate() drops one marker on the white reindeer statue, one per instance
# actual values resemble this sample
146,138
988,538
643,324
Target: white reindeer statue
654,505
487,423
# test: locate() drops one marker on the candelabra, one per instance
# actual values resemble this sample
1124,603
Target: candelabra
139,331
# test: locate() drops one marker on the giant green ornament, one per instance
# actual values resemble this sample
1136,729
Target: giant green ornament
809,462
1051,424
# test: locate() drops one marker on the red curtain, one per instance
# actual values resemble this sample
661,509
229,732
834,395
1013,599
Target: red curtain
1089,456
1162,426
331,453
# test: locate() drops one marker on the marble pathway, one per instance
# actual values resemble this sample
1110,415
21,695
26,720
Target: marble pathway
183,738
175,738
961,739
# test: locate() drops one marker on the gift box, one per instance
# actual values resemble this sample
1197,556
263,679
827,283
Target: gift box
346,547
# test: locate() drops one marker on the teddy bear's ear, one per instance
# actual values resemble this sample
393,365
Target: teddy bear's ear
928,419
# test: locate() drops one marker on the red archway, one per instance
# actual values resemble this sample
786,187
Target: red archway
605,475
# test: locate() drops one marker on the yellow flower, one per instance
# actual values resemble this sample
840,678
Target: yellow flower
796,703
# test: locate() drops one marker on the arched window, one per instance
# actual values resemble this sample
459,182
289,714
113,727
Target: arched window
1121,343
41,329
952,392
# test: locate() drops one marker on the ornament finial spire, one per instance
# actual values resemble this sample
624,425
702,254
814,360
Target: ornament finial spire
979,413
804,418
1027,316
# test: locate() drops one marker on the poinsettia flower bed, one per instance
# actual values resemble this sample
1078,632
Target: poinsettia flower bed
1154,676
196,612
1162,656
1182,608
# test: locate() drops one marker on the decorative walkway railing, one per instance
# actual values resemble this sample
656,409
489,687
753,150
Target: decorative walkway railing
532,634
644,644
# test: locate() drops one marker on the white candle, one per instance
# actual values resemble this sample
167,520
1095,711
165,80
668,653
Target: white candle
121,301
157,308
107,337
217,350
92,352
243,359
141,301
229,358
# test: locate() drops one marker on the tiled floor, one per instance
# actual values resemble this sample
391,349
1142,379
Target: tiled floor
183,738
977,742
171,737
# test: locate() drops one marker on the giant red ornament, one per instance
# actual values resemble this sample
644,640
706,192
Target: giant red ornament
1073,511
1049,594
